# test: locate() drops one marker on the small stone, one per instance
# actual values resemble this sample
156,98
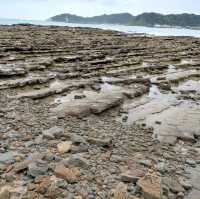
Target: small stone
21,166
158,122
100,142
39,139
80,148
64,147
71,175
79,96
77,161
132,176
77,139
146,163
180,195
54,132
190,162
117,158
125,118
6,158
36,156
78,197
37,168
29,144
161,167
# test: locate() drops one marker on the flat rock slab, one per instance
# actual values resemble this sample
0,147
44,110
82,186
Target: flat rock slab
141,111
54,88
95,104
189,86
10,70
182,121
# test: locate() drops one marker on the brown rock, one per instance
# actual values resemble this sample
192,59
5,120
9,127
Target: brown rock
150,186
120,192
21,166
173,185
132,176
78,197
71,175
4,192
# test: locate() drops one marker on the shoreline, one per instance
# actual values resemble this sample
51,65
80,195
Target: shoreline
122,28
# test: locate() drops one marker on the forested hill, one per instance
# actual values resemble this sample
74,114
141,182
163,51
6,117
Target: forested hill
145,19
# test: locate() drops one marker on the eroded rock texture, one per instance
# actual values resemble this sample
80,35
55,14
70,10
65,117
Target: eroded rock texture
89,113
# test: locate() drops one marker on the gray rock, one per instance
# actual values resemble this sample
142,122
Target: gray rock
81,148
193,175
146,163
100,142
186,184
39,139
190,162
161,167
132,176
117,158
37,168
54,132
76,161
29,144
173,185
77,139
6,158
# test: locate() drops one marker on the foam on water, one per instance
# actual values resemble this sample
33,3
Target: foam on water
126,29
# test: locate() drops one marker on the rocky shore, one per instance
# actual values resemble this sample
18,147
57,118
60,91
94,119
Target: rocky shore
96,114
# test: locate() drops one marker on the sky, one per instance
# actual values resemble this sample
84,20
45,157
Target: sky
44,9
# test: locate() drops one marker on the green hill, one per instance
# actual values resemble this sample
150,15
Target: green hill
145,19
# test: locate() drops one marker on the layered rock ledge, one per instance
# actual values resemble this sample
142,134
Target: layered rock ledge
95,114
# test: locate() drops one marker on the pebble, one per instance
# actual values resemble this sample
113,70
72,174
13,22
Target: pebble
37,168
146,163
77,161
6,158
54,132
100,142
64,147
132,176
18,167
77,139
190,162
161,167
71,175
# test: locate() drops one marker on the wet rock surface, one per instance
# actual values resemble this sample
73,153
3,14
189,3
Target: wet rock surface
88,113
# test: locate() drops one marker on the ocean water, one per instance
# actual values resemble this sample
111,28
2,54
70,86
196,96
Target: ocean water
126,29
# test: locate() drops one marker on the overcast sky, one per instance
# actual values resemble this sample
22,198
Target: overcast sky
43,9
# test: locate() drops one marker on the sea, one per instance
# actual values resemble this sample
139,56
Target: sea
154,31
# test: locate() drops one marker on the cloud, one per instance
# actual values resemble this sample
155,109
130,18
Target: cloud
43,9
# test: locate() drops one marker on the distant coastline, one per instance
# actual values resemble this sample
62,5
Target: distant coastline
185,20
